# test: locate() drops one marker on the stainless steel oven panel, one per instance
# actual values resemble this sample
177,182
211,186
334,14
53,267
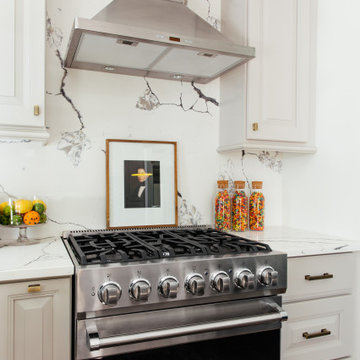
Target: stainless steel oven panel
147,330
89,279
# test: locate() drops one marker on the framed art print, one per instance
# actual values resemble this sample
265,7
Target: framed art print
141,183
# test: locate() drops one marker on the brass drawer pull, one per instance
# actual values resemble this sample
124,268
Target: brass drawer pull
319,277
323,332
36,110
34,288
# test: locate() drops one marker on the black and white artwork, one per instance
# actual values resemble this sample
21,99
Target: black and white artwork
141,184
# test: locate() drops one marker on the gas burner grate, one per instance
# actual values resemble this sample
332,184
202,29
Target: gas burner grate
142,245
109,248
219,243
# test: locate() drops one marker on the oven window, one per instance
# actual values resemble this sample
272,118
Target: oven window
258,346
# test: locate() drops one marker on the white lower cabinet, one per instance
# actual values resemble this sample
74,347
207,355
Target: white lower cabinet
319,303
35,320
318,329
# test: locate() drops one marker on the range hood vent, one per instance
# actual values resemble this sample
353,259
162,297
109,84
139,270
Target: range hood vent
154,38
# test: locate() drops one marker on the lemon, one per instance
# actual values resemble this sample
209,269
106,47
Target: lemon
37,201
2,206
22,206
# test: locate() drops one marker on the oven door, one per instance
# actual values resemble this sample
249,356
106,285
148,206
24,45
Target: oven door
130,333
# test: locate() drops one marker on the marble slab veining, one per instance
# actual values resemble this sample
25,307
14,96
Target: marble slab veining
296,242
46,259
49,257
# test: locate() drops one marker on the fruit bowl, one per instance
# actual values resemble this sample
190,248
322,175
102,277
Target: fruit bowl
21,214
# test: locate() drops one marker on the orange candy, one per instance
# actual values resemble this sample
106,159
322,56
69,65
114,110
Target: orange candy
31,218
257,202
239,211
222,211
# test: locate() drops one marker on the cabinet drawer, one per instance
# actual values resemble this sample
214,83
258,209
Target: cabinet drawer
36,287
327,323
339,270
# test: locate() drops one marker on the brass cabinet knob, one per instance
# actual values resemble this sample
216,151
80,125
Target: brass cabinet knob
255,126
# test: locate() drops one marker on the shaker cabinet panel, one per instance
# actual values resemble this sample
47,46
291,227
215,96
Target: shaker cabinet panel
36,320
7,41
22,69
273,88
318,329
269,103
32,327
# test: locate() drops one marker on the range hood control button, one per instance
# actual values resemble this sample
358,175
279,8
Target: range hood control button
140,289
109,293
168,287
244,279
220,282
195,284
268,276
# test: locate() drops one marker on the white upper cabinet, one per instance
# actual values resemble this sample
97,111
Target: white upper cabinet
269,104
22,69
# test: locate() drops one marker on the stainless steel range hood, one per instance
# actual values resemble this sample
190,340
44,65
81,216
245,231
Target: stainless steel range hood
154,38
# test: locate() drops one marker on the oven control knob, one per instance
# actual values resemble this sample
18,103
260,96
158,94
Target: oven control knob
168,287
268,276
244,279
220,282
109,293
140,289
195,284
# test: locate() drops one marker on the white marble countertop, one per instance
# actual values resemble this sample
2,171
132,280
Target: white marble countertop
46,259
296,242
49,258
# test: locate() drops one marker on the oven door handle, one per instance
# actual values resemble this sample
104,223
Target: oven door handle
96,343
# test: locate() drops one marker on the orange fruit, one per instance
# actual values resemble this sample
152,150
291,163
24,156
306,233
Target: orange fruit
31,218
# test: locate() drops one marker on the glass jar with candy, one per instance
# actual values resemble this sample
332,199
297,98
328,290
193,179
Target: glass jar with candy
239,207
222,207
257,207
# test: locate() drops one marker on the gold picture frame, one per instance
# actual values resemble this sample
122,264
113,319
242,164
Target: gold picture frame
141,184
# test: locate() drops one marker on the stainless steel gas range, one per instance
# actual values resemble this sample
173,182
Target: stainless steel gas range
171,288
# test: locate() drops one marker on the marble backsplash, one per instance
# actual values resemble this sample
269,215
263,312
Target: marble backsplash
85,108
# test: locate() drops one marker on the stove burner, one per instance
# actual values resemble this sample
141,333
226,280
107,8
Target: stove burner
130,246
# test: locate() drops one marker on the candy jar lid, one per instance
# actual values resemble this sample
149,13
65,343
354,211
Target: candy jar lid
239,184
223,184
257,184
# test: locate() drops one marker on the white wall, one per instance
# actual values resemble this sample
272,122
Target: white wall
321,191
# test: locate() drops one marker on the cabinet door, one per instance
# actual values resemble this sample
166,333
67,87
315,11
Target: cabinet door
22,69
35,325
318,329
281,78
